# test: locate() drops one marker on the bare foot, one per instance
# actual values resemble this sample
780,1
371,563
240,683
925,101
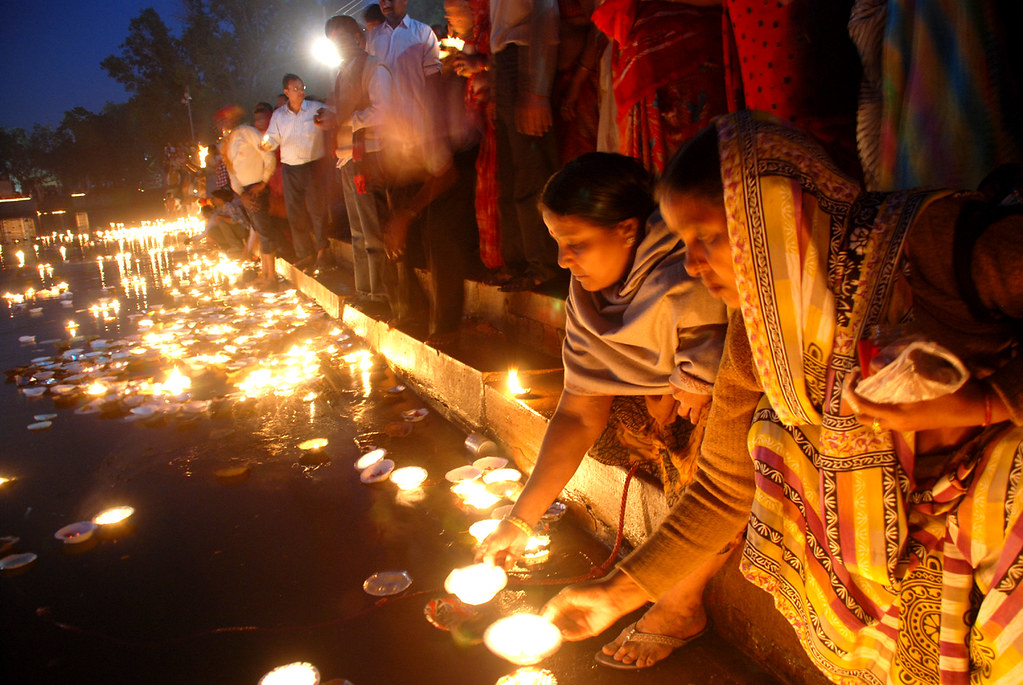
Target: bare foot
657,621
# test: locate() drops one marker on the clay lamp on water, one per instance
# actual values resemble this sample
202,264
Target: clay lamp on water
523,639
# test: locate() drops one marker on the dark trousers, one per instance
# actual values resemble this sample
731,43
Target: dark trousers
445,230
305,200
260,217
524,163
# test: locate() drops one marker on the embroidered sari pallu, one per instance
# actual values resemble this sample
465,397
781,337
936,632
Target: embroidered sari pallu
888,568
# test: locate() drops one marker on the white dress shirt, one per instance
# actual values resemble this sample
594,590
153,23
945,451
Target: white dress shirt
295,133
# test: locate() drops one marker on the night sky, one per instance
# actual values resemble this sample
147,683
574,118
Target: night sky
51,50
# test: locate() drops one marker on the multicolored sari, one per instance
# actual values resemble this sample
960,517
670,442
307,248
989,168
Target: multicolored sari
891,567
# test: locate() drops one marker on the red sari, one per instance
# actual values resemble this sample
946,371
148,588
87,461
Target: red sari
667,72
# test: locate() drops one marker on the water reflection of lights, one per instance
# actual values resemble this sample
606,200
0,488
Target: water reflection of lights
72,328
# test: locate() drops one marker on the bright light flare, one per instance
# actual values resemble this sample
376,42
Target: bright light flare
325,52
481,530
475,494
112,516
408,477
203,152
523,639
176,383
96,389
298,673
513,384
476,584
528,676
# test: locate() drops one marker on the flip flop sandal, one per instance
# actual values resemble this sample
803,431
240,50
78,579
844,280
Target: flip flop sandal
634,635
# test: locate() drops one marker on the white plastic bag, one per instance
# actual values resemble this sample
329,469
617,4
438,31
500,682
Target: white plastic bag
921,371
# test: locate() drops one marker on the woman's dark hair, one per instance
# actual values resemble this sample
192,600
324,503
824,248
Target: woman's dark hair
601,187
695,169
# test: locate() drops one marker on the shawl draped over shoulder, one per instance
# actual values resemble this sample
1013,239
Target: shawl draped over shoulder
656,329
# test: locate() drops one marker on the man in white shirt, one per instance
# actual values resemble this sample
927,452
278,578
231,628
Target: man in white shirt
293,129
411,51
249,169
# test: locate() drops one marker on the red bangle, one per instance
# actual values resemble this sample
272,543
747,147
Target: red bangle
987,406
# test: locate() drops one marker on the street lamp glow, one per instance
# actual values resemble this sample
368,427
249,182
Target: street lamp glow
325,52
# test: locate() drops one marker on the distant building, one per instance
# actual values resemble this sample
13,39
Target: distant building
18,217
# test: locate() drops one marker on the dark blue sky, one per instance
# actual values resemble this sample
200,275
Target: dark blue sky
50,52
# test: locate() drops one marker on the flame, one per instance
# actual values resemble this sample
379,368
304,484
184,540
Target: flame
475,494
513,383
476,584
176,383
203,151
453,42
115,515
298,673
523,639
408,477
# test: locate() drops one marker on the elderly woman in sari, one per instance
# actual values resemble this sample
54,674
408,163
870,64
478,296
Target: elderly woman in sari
642,347
889,535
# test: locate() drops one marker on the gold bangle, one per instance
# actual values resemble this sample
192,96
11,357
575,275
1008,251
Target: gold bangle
520,524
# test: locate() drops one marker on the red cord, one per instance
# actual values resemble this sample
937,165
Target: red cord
596,571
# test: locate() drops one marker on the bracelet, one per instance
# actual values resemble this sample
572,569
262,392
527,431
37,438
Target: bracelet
987,406
520,524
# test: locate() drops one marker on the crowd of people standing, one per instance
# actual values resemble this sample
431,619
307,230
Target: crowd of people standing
732,188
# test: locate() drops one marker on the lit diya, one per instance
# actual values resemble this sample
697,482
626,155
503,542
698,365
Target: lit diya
313,444
528,676
408,477
523,639
476,584
501,475
298,673
377,472
370,458
514,387
475,494
481,530
113,516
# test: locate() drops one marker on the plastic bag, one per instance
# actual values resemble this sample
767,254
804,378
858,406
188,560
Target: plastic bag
921,371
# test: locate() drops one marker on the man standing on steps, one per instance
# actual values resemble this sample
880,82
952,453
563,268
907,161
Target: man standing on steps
293,129
249,169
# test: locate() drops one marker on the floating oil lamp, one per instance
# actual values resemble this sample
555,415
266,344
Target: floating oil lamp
96,389
298,673
21,257
481,530
475,494
523,639
453,43
476,584
408,477
313,444
176,383
501,475
513,384
72,328
370,458
113,516
528,676
537,551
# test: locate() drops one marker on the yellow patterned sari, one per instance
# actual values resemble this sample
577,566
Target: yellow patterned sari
889,568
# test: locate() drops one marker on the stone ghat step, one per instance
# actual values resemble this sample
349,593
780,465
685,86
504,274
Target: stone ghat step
467,383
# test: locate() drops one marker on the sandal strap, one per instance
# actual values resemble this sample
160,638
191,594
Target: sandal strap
667,640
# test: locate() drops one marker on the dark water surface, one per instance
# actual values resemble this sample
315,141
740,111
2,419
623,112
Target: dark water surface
214,581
